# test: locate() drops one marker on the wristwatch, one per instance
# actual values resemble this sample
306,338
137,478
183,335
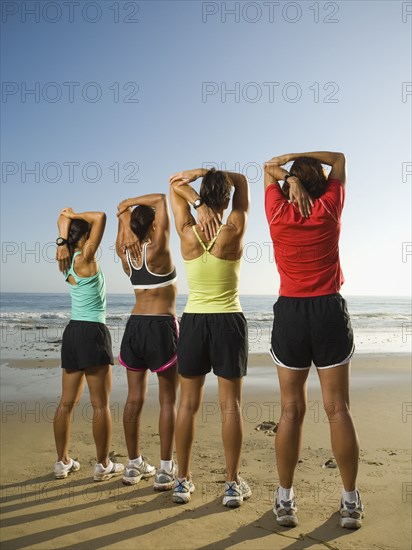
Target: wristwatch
197,203
60,241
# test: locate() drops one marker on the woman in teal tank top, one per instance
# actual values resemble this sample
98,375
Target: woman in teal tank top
213,330
86,345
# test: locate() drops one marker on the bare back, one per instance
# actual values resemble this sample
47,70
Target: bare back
156,301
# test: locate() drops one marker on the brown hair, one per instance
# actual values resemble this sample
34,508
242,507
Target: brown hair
215,189
141,220
78,228
311,174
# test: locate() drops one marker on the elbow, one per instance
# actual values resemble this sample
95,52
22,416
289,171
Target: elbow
100,218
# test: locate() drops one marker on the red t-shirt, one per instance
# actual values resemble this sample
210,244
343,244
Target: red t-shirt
307,249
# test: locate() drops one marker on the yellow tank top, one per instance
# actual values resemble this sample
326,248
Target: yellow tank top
213,282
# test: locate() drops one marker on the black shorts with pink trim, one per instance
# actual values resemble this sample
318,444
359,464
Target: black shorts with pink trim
311,330
149,342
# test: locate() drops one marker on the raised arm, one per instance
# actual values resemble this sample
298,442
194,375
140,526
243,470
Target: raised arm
240,202
160,237
336,161
274,172
97,221
126,239
121,244
182,195
63,252
157,201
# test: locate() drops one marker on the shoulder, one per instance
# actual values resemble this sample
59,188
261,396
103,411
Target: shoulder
334,189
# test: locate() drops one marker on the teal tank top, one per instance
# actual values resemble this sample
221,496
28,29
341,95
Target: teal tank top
88,296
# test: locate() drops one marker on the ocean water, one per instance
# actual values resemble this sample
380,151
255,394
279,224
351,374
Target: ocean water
31,325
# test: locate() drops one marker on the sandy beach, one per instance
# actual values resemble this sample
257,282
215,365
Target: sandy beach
39,512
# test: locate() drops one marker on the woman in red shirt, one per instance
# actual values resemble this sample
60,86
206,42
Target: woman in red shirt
311,321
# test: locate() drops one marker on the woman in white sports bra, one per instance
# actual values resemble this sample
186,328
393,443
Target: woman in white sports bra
150,337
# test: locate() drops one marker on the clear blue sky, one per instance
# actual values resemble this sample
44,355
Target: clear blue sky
361,61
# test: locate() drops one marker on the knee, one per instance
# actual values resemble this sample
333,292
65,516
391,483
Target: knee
167,401
294,411
189,406
231,405
100,407
134,405
334,409
66,406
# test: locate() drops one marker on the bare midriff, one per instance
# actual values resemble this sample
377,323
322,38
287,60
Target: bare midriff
155,301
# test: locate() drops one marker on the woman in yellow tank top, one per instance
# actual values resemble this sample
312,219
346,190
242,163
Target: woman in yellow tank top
213,328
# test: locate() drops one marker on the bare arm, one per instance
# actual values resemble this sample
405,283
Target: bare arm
128,240
240,202
63,252
157,201
337,161
120,245
207,218
97,221
273,172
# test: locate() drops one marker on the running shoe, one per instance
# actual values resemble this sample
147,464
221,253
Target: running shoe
164,480
62,470
285,512
182,490
236,493
113,469
133,474
351,513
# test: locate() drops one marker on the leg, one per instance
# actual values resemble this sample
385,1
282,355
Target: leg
72,389
99,380
168,383
191,394
230,400
289,433
137,383
345,445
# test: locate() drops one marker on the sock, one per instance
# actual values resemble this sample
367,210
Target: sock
166,465
285,494
137,461
349,496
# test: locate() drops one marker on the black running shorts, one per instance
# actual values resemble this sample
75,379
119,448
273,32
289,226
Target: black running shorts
307,330
86,344
149,342
213,340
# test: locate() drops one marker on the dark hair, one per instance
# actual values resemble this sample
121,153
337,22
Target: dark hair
311,174
78,228
215,189
140,221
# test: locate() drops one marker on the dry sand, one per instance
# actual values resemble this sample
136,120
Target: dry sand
39,512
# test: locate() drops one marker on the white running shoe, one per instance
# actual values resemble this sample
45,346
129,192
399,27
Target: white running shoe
164,480
236,493
285,512
182,490
62,470
133,474
113,469
351,513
